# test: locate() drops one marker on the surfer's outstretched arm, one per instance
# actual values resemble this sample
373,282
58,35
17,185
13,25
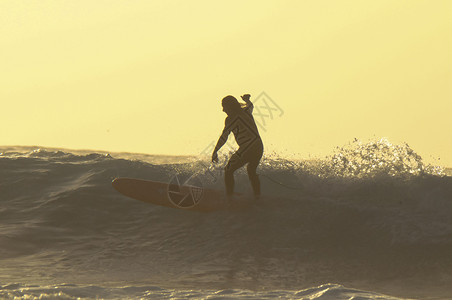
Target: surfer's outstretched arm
221,141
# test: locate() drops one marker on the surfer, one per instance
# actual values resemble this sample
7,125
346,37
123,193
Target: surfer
241,123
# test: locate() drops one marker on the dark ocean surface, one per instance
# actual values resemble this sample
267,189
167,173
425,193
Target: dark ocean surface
371,221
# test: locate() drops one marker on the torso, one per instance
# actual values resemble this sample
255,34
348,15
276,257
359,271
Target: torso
245,130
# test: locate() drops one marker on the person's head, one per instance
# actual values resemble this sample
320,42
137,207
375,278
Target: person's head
230,105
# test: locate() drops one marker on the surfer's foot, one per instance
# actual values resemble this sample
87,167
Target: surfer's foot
257,198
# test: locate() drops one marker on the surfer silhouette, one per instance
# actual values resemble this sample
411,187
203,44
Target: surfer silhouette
241,123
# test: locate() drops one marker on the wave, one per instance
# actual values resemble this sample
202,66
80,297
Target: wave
71,291
355,221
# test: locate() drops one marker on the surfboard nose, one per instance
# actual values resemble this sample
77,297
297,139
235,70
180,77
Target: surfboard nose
115,183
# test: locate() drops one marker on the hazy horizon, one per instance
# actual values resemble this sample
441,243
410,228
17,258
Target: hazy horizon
148,77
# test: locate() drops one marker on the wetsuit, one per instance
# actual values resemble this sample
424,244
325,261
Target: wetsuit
250,151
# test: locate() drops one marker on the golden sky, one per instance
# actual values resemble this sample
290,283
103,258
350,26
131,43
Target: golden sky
148,76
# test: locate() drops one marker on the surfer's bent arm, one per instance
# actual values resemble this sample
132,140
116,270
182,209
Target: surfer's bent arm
249,105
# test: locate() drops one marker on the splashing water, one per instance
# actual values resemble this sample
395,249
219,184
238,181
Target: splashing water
376,158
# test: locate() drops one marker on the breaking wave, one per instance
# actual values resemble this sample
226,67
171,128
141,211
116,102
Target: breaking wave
371,216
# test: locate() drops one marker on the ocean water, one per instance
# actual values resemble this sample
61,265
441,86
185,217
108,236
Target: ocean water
371,221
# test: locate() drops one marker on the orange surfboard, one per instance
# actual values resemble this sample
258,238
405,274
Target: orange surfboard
173,195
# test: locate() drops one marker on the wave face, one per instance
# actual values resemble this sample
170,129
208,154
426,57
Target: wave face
372,216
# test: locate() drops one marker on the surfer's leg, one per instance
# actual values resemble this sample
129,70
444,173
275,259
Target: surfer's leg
254,178
255,158
234,163
229,182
